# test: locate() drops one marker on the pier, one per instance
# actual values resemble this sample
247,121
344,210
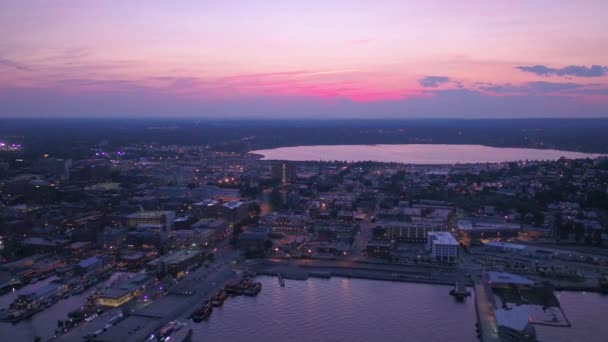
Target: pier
486,321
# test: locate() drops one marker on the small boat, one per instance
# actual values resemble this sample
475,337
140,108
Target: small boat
203,312
246,283
253,290
234,289
219,298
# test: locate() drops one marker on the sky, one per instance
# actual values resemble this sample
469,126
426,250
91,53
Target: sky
283,59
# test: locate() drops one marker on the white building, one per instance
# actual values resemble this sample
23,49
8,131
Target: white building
442,245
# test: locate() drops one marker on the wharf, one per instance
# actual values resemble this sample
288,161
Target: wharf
486,321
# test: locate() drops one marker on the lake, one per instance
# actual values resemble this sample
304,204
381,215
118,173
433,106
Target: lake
424,154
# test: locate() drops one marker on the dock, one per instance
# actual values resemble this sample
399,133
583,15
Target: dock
486,321
460,291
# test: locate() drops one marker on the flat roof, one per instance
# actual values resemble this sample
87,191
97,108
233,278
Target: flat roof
149,214
508,278
177,257
516,318
444,238
480,225
506,245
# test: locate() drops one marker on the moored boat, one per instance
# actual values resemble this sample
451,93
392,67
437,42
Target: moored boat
219,298
203,312
253,290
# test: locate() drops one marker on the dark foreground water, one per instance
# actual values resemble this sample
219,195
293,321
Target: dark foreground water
341,309
588,314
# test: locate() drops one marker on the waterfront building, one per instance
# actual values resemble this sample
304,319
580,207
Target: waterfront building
506,247
442,245
379,249
514,324
412,231
125,289
254,238
473,231
177,263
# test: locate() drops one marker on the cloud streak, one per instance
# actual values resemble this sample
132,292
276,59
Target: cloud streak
4,62
433,81
571,70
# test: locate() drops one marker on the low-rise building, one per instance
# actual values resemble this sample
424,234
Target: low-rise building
442,245
379,249
177,263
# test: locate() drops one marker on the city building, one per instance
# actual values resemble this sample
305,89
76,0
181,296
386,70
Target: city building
411,231
177,263
442,245
379,249
285,223
473,231
234,211
286,172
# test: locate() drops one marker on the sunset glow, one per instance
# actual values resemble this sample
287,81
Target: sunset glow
304,59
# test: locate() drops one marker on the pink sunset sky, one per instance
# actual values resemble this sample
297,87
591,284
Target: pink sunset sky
304,59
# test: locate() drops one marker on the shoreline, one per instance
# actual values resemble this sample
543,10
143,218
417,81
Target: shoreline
417,275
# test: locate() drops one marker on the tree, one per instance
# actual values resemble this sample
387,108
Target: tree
538,218
267,244
236,231
276,200
557,226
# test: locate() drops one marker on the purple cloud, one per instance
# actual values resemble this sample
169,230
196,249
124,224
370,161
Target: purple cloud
571,70
12,64
531,87
433,81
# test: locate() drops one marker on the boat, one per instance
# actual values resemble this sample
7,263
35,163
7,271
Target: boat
253,290
234,289
246,283
459,291
203,312
219,298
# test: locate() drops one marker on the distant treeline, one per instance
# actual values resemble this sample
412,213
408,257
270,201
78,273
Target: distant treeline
74,137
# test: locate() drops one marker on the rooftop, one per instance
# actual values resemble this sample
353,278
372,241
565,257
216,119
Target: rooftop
508,278
484,225
149,214
444,238
516,318
506,245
